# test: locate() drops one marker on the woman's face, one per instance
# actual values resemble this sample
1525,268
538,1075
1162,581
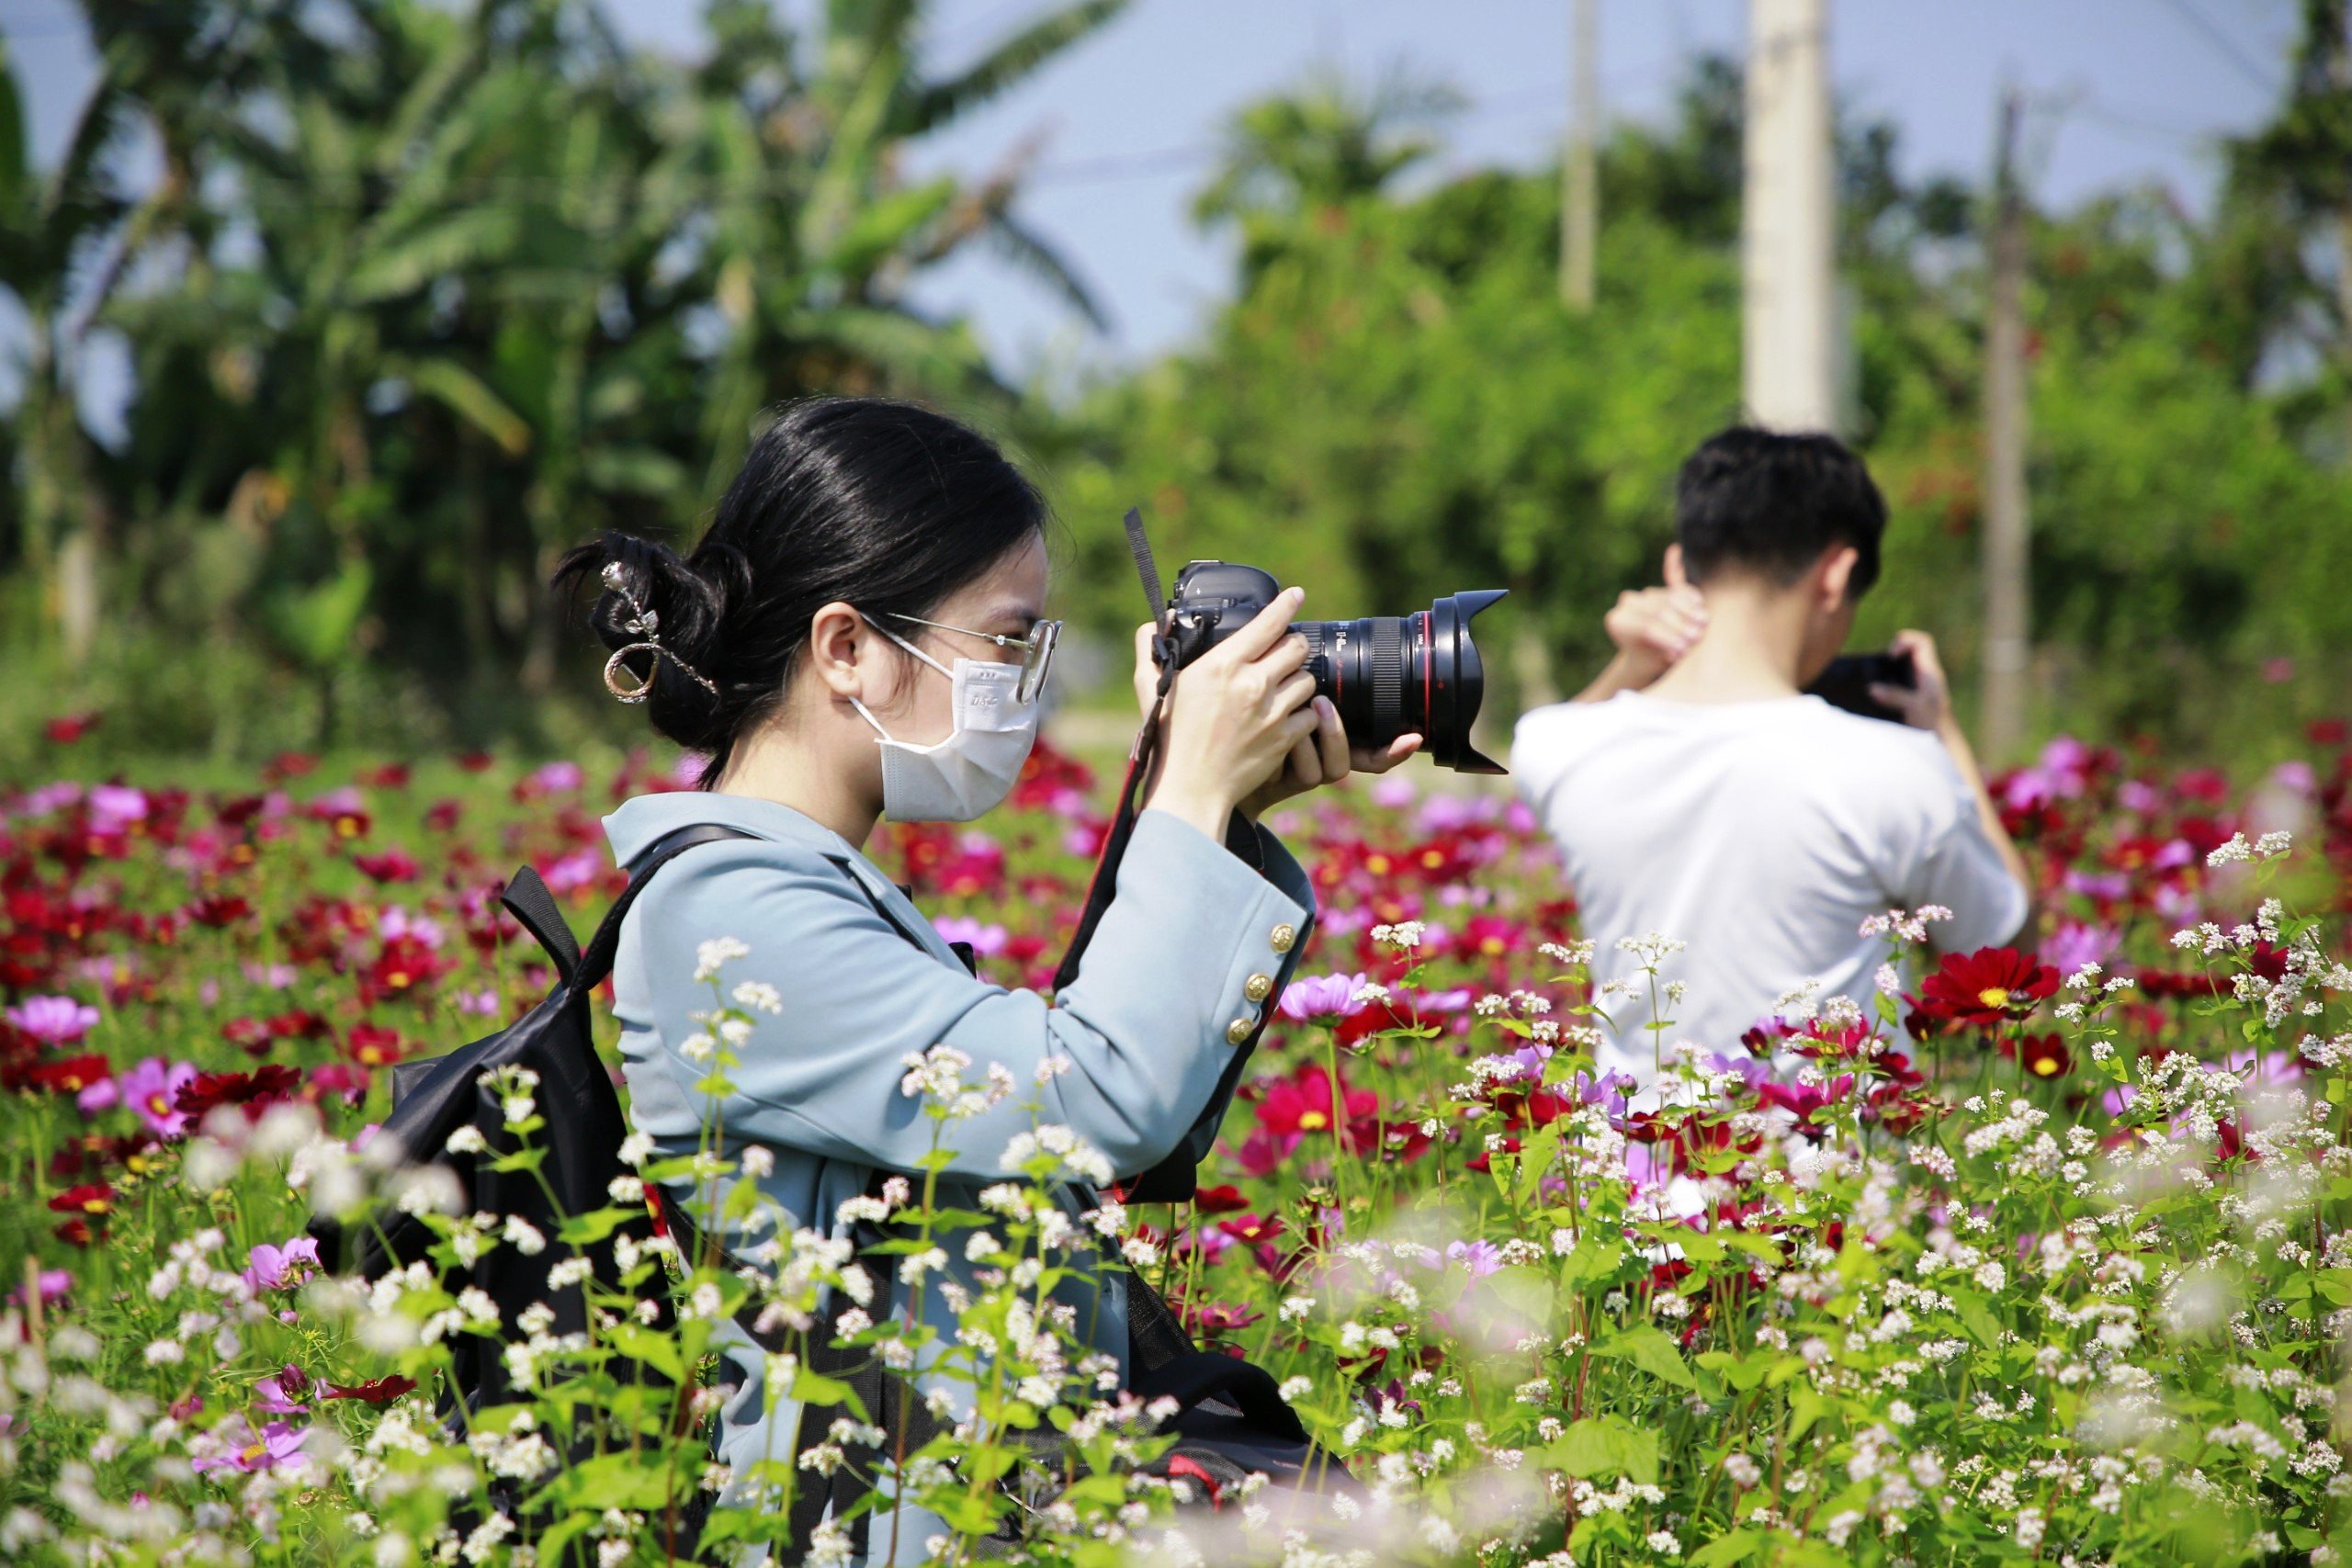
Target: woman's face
1007,601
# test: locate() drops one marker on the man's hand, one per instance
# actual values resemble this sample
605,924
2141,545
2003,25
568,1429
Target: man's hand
1651,627
1927,705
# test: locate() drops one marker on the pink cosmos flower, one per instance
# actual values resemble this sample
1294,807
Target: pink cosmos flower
282,1391
241,1447
1395,791
274,1268
2073,944
115,806
53,1021
1322,996
54,1283
557,775
578,869
987,941
1480,1257
395,922
152,1087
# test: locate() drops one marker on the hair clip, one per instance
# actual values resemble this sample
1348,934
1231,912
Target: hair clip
642,624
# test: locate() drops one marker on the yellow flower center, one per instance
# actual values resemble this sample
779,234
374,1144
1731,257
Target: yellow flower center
1994,997
1314,1119
2045,1067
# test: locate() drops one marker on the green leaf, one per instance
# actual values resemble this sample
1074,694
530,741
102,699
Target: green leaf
1651,1350
1606,1445
1983,1326
469,397
642,1344
1736,1547
1596,1258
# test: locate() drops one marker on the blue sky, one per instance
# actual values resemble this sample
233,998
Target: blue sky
1131,115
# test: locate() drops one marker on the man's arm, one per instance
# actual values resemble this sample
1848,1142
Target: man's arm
1927,706
1652,628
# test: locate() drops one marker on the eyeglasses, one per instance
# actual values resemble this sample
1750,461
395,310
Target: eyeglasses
1037,649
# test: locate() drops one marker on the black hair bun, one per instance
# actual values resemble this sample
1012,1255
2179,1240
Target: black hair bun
651,594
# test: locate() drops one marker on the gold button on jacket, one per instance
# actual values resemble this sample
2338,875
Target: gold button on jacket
1283,936
1258,987
1238,1030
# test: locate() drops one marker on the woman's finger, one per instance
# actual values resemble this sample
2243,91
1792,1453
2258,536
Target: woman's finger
1294,692
1306,766
1332,737
1262,630
1380,759
1286,656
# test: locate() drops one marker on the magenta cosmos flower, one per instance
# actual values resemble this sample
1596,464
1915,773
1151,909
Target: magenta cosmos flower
150,1088
54,1021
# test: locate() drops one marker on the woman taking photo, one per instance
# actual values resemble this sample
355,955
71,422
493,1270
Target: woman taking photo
860,634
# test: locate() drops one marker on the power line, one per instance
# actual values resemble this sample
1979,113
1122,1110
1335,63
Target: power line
2221,40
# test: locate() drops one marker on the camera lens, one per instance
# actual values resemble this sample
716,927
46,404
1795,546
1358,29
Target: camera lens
1391,675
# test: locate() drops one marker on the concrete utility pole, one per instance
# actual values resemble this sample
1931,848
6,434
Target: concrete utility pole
2007,588
1788,215
1579,172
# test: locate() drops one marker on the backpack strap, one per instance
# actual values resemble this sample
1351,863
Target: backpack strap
596,959
534,907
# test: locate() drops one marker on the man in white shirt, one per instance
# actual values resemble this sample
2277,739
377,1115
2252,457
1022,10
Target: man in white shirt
1696,792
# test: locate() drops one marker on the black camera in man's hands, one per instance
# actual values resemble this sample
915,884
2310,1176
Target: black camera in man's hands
1847,679
1388,675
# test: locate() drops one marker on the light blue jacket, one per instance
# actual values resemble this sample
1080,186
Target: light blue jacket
1147,1024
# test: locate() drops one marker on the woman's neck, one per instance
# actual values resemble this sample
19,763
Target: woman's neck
770,768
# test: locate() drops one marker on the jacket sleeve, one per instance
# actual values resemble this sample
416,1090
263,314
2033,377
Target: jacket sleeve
1254,843
1148,1025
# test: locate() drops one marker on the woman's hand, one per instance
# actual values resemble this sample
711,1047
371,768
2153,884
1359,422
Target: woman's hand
1326,758
1234,715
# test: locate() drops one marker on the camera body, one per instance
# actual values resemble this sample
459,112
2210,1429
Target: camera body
1388,675
1847,680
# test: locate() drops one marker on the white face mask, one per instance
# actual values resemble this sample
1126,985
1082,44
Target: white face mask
974,768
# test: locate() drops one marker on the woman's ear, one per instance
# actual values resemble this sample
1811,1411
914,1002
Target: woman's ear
836,637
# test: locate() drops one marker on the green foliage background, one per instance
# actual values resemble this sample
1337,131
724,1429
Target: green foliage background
425,294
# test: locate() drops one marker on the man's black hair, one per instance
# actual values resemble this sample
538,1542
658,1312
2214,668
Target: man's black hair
1758,501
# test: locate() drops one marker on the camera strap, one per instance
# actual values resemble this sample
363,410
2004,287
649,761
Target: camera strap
1141,755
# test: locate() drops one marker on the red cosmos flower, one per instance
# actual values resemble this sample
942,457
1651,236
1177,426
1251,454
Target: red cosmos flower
219,910
384,775
1304,1103
1988,986
2041,1056
405,964
1219,1200
373,1045
1370,1019
91,1198
1803,1101
1210,1318
392,865
71,727
1485,936
442,815
253,1091
71,1075
379,1391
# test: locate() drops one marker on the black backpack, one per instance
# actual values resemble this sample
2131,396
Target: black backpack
1231,1418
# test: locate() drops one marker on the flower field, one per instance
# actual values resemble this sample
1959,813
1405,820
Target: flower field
2038,1255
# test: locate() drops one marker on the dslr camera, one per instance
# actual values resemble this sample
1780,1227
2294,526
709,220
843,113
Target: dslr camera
1388,675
